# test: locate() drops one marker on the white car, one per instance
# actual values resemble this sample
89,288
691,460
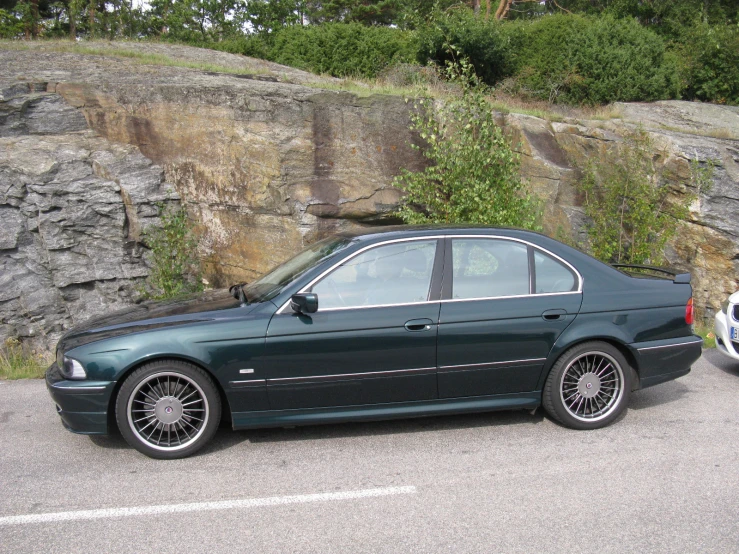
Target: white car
727,327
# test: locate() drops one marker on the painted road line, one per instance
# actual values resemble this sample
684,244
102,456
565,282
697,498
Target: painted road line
202,506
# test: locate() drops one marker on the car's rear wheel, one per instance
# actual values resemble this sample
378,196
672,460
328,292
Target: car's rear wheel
168,409
588,387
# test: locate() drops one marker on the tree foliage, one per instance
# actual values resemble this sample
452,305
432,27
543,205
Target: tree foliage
569,51
341,49
473,173
631,212
583,60
486,44
175,266
709,63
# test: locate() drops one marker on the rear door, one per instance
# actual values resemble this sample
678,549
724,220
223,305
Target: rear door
505,303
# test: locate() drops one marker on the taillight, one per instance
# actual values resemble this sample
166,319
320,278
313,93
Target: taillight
689,316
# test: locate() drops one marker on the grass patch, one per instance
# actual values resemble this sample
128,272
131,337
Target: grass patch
709,338
115,51
718,133
368,88
17,361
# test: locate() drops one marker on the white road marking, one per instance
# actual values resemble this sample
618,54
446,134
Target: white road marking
203,506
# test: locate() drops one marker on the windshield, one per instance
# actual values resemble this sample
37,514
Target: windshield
270,285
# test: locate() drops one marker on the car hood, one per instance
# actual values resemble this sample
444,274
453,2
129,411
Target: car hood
206,306
734,298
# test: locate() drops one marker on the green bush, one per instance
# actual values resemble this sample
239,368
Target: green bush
175,266
632,213
340,49
489,45
709,63
474,174
254,46
584,60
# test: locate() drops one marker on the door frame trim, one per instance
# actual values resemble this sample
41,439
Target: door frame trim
351,376
446,251
484,365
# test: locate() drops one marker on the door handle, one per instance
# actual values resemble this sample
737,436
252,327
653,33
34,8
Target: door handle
554,315
418,324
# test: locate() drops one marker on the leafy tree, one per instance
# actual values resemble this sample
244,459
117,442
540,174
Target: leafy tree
266,16
632,213
11,25
367,12
175,266
709,63
473,175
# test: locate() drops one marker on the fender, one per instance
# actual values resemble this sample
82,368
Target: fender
587,327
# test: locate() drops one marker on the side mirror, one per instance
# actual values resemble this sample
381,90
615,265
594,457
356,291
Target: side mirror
304,303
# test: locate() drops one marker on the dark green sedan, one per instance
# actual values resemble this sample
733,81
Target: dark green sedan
401,322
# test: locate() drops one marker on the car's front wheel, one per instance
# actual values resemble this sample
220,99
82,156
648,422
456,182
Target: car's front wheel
588,387
168,409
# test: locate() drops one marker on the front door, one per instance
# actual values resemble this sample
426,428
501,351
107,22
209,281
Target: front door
507,304
373,338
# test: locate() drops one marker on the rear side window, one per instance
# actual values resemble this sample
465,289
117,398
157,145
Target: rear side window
552,275
488,268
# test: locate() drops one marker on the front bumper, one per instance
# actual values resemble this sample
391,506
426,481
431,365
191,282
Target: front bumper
724,343
82,405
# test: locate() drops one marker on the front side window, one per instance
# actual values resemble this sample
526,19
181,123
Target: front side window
398,273
488,268
270,285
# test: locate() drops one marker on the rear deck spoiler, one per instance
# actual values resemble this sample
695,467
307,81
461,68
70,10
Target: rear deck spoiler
683,278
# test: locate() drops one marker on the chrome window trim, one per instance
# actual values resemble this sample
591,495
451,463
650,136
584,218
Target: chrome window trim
341,376
378,306
513,296
306,288
535,246
461,366
671,345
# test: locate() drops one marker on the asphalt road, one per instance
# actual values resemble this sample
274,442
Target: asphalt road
663,479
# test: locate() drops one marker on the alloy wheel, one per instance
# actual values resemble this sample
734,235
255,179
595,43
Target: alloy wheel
168,411
592,386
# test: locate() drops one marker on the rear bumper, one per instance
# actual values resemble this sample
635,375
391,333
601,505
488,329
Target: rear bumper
663,360
82,405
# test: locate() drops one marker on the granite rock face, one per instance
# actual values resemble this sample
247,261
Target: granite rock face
266,164
72,208
681,134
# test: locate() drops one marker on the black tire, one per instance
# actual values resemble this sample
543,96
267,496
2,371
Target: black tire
168,409
588,387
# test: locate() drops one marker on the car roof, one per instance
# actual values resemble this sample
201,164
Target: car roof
404,231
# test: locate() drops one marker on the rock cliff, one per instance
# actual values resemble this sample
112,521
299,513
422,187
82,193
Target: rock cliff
72,209
266,162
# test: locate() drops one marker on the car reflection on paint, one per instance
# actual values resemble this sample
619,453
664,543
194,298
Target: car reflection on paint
401,322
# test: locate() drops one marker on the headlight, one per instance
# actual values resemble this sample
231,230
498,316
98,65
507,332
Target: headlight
72,369
725,306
